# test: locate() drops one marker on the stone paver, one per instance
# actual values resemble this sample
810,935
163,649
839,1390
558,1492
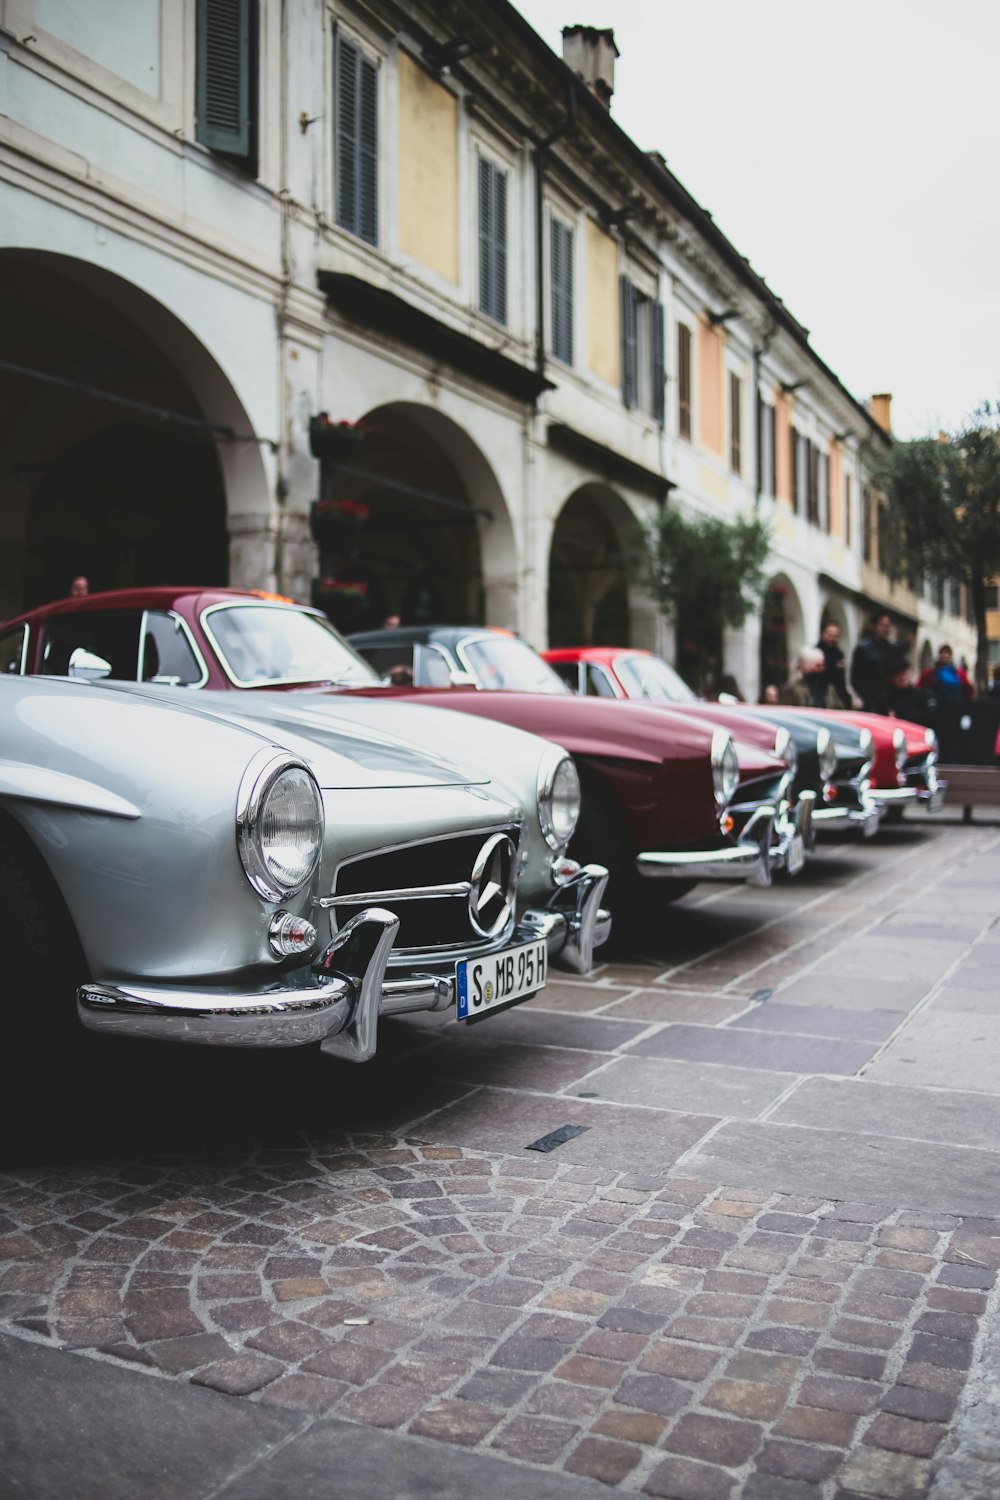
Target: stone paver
748,1276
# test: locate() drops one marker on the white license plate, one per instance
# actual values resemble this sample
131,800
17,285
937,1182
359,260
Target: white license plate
500,978
796,856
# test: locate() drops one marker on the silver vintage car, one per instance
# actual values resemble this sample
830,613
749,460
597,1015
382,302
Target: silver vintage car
196,874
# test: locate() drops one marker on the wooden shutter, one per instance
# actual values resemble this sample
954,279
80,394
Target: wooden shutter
561,277
684,380
735,424
223,82
794,455
629,341
492,240
356,115
659,356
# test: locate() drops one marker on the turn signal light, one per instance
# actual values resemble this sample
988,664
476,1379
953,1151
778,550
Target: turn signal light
728,823
289,935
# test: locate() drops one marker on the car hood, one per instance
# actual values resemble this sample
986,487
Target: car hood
341,752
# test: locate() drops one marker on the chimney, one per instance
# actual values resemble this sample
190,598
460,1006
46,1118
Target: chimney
881,410
591,53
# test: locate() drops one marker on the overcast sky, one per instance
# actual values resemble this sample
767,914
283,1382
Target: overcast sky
850,151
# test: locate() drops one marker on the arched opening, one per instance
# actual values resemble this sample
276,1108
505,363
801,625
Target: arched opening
782,631
411,523
114,458
588,583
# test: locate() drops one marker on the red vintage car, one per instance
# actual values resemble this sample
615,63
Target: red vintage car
658,797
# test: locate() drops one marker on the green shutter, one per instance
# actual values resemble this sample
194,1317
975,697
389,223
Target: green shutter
561,280
223,76
629,341
492,191
659,363
356,117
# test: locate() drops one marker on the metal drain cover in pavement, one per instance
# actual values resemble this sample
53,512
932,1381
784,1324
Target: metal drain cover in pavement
557,1138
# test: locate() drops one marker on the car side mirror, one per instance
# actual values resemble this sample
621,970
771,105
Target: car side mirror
88,665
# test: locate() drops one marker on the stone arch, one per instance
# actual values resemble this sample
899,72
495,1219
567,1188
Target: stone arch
783,632
412,522
141,489
590,599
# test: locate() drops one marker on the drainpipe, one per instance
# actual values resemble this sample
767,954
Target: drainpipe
541,157
756,355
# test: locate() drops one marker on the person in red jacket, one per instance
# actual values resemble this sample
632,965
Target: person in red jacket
946,681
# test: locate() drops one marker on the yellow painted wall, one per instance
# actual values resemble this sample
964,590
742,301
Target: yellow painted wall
710,426
783,527
782,447
836,491
711,482
428,170
603,313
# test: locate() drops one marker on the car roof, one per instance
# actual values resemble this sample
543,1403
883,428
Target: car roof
156,596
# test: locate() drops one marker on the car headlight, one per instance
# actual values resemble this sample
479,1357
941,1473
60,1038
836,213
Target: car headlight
725,767
558,798
930,739
826,751
866,744
899,748
785,748
279,824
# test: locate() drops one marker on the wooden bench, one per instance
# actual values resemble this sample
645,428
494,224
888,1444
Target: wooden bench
971,786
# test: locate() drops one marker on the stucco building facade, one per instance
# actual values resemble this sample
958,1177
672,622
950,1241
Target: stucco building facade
219,221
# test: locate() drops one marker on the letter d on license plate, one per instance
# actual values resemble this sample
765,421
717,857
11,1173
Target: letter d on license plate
499,979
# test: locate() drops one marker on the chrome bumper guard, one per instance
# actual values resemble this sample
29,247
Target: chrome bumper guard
748,859
339,1001
794,835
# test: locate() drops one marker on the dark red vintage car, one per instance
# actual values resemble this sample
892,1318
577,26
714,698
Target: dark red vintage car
658,793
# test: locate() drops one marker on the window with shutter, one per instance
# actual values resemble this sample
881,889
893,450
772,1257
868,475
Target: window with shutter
795,443
684,380
492,181
561,277
226,79
735,423
356,117
812,482
630,343
657,317
848,505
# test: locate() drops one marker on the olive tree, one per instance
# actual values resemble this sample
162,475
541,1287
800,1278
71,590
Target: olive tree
942,517
705,574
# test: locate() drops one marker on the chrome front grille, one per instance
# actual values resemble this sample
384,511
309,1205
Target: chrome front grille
426,885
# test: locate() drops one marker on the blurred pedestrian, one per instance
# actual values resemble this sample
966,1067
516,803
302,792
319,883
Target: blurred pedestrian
993,691
79,587
908,700
876,658
945,680
834,673
807,688
770,694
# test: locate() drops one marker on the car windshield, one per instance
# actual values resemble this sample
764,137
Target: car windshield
653,678
263,644
503,662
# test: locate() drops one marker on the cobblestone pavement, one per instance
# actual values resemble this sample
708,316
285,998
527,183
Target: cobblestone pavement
764,1268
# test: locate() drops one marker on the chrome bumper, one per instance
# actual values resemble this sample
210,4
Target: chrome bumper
340,1000
867,818
749,858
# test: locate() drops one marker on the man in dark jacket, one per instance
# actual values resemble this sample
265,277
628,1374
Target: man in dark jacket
833,663
876,658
